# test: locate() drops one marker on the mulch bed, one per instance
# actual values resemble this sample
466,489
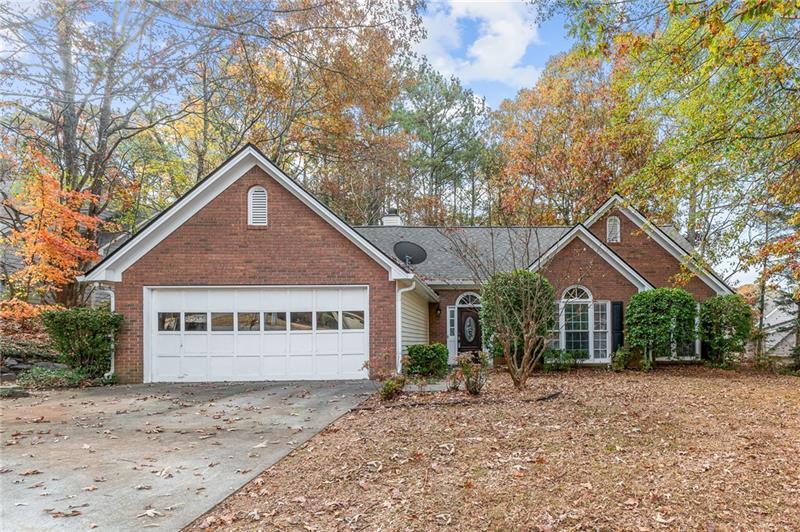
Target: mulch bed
682,447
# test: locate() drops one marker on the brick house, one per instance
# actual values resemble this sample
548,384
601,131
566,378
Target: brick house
249,277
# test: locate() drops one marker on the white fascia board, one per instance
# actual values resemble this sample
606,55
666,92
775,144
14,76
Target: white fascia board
586,236
657,234
610,202
222,178
425,290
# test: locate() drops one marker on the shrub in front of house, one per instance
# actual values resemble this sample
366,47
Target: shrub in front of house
473,368
84,337
621,358
659,322
392,387
426,360
725,326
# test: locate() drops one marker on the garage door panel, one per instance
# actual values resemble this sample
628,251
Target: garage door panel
327,343
324,352
301,344
194,367
301,299
195,300
222,366
274,367
354,342
354,299
248,300
353,364
300,365
170,299
166,344
248,344
195,344
327,299
275,344
168,366
327,365
248,367
221,344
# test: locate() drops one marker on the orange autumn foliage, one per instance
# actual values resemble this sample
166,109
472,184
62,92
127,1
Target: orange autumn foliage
52,240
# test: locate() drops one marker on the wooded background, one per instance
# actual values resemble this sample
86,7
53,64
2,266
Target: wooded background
111,110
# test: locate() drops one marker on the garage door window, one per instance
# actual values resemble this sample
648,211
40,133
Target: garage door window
222,321
169,321
328,321
352,319
301,321
195,321
274,321
249,321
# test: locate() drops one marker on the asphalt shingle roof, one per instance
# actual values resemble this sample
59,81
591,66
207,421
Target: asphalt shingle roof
500,248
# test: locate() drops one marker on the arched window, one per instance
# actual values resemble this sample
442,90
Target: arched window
469,299
584,324
257,206
612,230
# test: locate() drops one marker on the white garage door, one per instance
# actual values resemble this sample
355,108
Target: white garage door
242,334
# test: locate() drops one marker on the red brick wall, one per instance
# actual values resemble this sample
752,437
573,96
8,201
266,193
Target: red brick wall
577,263
648,257
216,247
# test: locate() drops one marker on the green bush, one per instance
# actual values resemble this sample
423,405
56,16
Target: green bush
657,321
426,360
84,337
39,378
473,368
621,358
725,326
392,387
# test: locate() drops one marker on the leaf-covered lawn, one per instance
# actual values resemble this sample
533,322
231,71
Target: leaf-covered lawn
677,448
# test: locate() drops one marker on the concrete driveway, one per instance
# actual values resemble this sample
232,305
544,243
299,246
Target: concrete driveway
129,457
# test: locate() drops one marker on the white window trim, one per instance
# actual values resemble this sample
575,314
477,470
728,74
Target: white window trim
591,302
250,213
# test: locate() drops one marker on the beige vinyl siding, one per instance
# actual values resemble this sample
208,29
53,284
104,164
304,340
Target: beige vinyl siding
413,320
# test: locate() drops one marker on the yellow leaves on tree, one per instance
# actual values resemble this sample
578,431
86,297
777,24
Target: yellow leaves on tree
52,240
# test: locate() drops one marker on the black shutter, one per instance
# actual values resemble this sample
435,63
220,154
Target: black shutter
617,326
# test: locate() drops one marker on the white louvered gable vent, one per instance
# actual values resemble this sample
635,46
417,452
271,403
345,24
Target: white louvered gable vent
257,206
612,229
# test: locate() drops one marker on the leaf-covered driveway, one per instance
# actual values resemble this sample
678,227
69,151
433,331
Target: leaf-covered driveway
132,457
679,448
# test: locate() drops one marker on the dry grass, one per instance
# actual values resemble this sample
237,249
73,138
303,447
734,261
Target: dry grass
678,448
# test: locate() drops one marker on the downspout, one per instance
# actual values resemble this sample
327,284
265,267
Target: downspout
398,323
112,304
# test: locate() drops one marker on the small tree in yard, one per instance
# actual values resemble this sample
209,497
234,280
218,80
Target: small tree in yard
517,315
725,325
660,322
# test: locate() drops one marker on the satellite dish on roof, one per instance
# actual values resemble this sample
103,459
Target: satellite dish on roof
410,253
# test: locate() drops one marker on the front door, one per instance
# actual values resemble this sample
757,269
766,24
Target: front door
469,330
